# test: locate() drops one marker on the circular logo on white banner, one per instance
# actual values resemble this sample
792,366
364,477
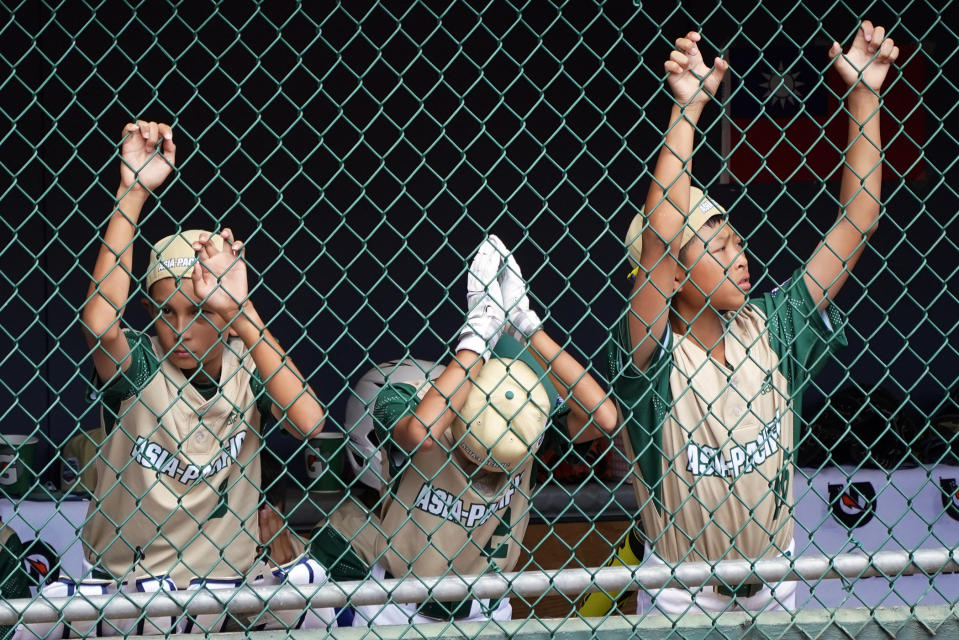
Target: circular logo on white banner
853,504
950,497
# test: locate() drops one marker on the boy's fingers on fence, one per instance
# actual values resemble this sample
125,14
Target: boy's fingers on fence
169,150
148,130
209,249
719,69
885,51
204,247
860,41
230,243
165,133
877,40
679,58
153,134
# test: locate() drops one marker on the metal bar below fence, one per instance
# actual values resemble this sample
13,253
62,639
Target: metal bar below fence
901,623
250,600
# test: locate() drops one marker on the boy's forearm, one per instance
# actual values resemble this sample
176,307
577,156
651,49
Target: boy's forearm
110,284
862,170
589,401
442,402
669,190
563,368
284,383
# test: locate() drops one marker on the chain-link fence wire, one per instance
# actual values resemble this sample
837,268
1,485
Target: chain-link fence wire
364,151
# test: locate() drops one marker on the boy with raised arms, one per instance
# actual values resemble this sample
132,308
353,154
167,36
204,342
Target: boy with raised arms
709,378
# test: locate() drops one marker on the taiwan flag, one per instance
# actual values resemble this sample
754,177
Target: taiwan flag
785,122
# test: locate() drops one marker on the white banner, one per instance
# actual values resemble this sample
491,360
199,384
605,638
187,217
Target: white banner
57,524
839,511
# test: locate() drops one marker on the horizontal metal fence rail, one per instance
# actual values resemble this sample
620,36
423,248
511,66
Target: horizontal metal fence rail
902,623
248,600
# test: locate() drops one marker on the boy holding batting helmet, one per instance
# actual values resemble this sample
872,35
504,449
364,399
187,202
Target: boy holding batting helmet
710,379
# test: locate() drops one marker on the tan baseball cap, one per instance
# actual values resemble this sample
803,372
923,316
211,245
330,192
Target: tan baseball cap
174,257
701,209
506,412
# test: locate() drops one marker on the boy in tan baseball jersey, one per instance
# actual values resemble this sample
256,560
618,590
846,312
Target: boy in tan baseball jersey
178,475
710,380
458,446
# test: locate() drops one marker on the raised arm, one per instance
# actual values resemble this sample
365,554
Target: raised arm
221,284
442,402
592,413
147,156
863,68
692,84
485,321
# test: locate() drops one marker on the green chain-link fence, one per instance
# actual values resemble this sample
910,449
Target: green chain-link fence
363,152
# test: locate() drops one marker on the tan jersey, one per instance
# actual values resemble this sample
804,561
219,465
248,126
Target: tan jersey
437,519
723,453
178,479
713,445
360,527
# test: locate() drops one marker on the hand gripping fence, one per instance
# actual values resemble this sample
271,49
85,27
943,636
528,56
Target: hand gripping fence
362,153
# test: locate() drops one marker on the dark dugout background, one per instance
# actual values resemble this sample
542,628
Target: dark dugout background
363,150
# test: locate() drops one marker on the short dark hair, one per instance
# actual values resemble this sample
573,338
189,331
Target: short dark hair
714,221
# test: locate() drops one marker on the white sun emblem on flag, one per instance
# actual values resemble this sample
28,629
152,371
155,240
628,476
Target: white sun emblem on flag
781,87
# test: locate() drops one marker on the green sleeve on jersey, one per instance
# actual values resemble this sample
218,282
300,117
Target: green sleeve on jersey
644,398
798,331
264,403
559,420
800,335
556,437
393,402
14,582
126,384
331,549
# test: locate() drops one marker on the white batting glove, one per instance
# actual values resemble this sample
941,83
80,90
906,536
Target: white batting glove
523,321
486,315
